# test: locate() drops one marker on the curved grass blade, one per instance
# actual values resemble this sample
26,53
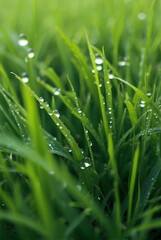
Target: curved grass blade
128,132
148,185
131,110
74,146
109,65
76,112
142,95
65,176
56,147
109,103
150,225
105,122
84,66
16,218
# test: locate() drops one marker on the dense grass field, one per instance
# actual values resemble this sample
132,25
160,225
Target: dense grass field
80,120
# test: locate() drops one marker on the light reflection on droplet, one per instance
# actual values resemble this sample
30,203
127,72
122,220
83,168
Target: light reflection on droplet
41,99
56,91
99,68
98,61
57,114
31,53
22,40
25,77
123,63
110,76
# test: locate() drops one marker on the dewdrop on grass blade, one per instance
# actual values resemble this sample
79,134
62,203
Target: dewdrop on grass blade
56,91
25,77
31,53
98,61
22,40
99,68
57,114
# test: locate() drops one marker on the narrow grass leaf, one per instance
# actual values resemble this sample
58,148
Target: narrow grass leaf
74,146
132,183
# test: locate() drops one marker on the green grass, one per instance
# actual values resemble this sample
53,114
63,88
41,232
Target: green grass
80,121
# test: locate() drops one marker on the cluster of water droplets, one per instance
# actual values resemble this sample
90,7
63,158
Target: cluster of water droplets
88,139
142,103
98,62
23,42
85,164
110,117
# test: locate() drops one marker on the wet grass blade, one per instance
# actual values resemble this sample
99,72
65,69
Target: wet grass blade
101,101
74,146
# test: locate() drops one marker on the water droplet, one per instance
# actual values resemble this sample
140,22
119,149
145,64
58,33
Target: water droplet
98,61
70,150
31,53
41,99
110,76
123,63
82,167
85,164
148,94
93,71
142,104
47,104
99,68
100,85
99,198
22,40
57,114
56,91
141,16
79,111
25,77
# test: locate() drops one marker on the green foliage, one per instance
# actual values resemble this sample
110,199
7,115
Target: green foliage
80,135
